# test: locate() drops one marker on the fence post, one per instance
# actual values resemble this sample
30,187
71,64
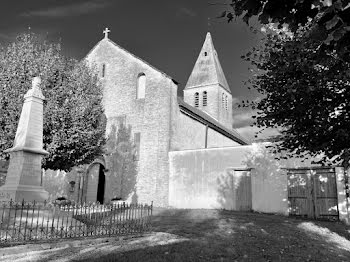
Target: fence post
2,218
25,227
20,221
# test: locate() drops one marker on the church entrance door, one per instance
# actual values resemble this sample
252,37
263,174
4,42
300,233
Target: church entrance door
101,185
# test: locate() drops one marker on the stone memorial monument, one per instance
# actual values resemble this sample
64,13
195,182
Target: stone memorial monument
24,173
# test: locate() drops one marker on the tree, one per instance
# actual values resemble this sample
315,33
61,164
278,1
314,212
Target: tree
74,123
302,73
330,18
120,154
306,94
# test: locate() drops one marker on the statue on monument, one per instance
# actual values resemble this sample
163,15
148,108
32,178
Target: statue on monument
23,181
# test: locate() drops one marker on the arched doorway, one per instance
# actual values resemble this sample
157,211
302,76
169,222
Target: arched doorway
101,184
94,182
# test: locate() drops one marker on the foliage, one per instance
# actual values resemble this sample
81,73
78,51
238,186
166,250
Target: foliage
120,153
74,124
331,18
306,94
302,73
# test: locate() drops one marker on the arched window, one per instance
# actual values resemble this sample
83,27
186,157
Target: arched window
205,97
205,53
141,86
196,99
103,73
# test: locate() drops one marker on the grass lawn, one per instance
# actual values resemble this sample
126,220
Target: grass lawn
235,236
213,235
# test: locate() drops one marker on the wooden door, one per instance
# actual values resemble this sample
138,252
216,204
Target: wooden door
312,193
326,197
299,195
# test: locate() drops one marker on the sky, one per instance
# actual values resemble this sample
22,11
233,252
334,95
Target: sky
168,34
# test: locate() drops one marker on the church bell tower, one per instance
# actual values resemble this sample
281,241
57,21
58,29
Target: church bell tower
207,88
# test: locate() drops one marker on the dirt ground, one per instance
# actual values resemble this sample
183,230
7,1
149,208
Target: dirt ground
213,235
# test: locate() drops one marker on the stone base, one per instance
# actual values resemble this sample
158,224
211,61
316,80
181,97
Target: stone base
22,192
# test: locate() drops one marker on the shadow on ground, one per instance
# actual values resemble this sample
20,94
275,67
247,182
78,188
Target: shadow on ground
214,235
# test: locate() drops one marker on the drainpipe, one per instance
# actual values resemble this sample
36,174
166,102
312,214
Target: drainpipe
206,137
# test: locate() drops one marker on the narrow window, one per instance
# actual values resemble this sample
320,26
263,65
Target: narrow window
103,70
205,98
141,86
223,100
137,140
196,99
205,53
226,102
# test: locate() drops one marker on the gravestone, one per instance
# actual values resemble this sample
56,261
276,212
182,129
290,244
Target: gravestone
23,180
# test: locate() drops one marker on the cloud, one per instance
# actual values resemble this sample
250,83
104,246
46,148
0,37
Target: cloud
68,10
243,119
184,11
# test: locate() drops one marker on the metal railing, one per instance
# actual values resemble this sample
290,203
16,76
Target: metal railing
27,222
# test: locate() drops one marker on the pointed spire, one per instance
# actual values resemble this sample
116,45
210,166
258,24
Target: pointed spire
207,70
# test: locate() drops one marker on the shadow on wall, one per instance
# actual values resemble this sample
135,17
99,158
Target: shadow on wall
269,177
120,155
269,181
234,190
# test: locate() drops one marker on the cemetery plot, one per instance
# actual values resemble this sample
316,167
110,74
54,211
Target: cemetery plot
23,222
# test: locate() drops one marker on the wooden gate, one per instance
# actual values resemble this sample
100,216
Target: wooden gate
312,193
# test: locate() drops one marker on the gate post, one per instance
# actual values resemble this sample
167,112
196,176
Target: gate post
342,199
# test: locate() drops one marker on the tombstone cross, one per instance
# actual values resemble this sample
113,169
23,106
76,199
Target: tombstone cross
106,31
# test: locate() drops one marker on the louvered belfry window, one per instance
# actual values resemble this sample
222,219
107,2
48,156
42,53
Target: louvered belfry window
205,98
196,99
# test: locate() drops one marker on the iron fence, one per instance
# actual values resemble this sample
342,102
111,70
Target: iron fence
26,222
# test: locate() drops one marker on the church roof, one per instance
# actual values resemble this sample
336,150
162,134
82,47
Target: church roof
211,122
207,69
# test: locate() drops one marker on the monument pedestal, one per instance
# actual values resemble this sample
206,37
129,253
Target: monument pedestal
23,180
22,192
24,177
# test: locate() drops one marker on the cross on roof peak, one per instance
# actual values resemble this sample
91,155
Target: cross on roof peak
106,31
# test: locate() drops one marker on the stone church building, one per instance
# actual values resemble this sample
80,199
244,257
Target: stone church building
145,98
188,155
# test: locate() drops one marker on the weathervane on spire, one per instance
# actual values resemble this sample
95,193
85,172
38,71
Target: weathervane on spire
106,31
